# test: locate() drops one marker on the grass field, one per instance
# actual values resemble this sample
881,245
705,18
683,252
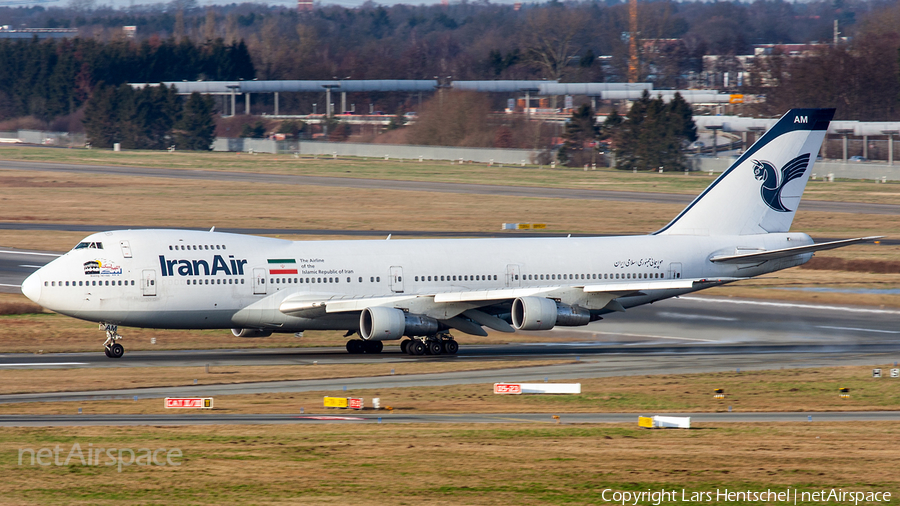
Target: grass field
798,389
505,463
560,177
449,464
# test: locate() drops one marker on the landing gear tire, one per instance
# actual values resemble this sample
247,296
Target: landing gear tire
404,345
111,347
116,351
434,348
373,346
355,346
416,347
451,347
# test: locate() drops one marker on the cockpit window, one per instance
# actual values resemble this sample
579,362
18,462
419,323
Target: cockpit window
92,245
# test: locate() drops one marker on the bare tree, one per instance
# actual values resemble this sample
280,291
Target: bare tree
552,36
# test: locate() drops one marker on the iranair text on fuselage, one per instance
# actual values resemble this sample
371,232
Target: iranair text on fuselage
217,266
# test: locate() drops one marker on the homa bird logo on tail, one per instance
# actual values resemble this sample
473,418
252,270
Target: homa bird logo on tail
772,185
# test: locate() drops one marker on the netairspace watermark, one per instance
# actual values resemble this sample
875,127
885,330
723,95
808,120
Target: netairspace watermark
788,495
90,456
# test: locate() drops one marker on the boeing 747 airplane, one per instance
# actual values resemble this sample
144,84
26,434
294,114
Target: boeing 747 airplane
384,290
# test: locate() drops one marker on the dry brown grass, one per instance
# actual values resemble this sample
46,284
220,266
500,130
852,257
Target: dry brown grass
79,379
748,391
451,464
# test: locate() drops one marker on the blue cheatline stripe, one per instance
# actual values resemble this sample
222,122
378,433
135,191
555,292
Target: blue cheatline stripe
818,120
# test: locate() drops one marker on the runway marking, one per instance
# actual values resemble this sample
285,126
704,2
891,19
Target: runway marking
799,306
695,316
328,418
31,266
32,364
31,253
623,334
13,286
858,329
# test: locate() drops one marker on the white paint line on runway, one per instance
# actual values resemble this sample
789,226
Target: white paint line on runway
42,364
685,316
858,329
31,253
799,306
31,266
12,286
651,336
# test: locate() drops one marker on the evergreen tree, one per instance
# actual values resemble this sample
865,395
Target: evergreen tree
100,122
197,129
654,134
581,132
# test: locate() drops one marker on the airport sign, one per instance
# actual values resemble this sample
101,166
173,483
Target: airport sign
189,402
507,388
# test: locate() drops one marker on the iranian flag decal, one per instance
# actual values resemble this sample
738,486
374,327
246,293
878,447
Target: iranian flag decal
282,266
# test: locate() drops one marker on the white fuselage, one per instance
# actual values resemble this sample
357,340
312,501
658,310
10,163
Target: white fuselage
206,280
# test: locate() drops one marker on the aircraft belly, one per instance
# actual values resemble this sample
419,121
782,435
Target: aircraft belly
187,319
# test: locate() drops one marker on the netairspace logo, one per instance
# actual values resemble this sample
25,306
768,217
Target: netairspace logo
789,496
90,456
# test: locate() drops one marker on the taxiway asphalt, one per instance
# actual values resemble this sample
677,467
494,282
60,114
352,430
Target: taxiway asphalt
369,417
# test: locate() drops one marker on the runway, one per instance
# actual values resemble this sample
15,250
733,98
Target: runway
369,417
678,336
422,186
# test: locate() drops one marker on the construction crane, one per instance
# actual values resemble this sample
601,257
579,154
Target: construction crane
633,64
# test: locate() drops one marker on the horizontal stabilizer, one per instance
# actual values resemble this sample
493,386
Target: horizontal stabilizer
762,256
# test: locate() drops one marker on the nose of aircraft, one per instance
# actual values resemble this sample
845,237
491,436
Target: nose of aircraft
31,287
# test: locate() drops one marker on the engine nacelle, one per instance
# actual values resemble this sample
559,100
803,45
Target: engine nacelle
419,325
381,323
539,313
572,316
251,332
388,323
534,313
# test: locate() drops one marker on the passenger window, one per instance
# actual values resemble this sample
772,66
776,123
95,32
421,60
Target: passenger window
360,279
442,278
170,248
223,246
378,279
348,279
242,281
372,279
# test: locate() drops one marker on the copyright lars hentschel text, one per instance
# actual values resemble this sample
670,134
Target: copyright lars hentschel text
789,495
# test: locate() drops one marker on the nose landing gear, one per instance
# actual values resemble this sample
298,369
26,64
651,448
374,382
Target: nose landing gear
112,348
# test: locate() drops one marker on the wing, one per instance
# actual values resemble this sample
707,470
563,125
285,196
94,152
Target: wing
794,169
468,311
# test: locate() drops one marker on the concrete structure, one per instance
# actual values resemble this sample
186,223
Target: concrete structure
603,91
391,151
6,32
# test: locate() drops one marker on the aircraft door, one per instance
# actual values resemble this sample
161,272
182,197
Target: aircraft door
397,279
513,278
259,281
126,249
148,282
675,270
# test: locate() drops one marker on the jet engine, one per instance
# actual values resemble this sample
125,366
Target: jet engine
251,332
540,313
387,323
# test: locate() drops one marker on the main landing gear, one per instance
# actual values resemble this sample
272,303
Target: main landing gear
359,346
112,348
438,344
